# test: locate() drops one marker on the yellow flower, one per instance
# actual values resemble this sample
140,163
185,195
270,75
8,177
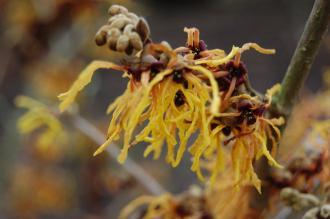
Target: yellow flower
172,107
193,203
244,136
174,94
39,117
84,79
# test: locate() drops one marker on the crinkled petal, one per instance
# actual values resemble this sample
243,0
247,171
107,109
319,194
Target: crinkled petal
83,80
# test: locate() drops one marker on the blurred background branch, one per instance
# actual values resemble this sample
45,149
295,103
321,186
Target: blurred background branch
145,179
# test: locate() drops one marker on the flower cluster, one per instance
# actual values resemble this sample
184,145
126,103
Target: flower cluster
188,94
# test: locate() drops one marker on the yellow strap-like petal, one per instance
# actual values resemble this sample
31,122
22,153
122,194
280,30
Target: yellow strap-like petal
258,48
83,80
265,151
133,205
215,105
27,102
216,62
134,119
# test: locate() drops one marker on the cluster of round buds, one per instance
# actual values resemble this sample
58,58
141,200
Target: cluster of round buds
298,201
322,212
124,31
319,209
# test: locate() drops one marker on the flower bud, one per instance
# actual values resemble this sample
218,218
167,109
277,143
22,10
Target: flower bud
142,28
114,32
129,50
100,38
101,35
311,214
325,211
116,17
135,41
128,29
133,17
112,37
120,23
122,43
112,42
117,9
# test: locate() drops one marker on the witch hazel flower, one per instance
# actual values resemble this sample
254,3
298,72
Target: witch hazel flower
187,94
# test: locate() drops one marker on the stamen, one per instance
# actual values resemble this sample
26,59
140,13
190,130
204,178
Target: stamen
196,37
190,42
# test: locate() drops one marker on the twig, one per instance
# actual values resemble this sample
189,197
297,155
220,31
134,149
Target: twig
130,166
303,57
293,81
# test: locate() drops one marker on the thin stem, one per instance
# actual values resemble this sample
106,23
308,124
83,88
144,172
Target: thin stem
130,166
303,57
293,81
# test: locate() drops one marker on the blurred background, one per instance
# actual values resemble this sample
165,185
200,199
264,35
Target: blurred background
46,43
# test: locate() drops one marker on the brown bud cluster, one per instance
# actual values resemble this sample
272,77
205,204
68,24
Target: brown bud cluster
124,31
300,171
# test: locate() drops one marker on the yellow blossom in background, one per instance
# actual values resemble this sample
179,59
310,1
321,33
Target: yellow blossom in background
193,203
39,117
162,206
210,202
